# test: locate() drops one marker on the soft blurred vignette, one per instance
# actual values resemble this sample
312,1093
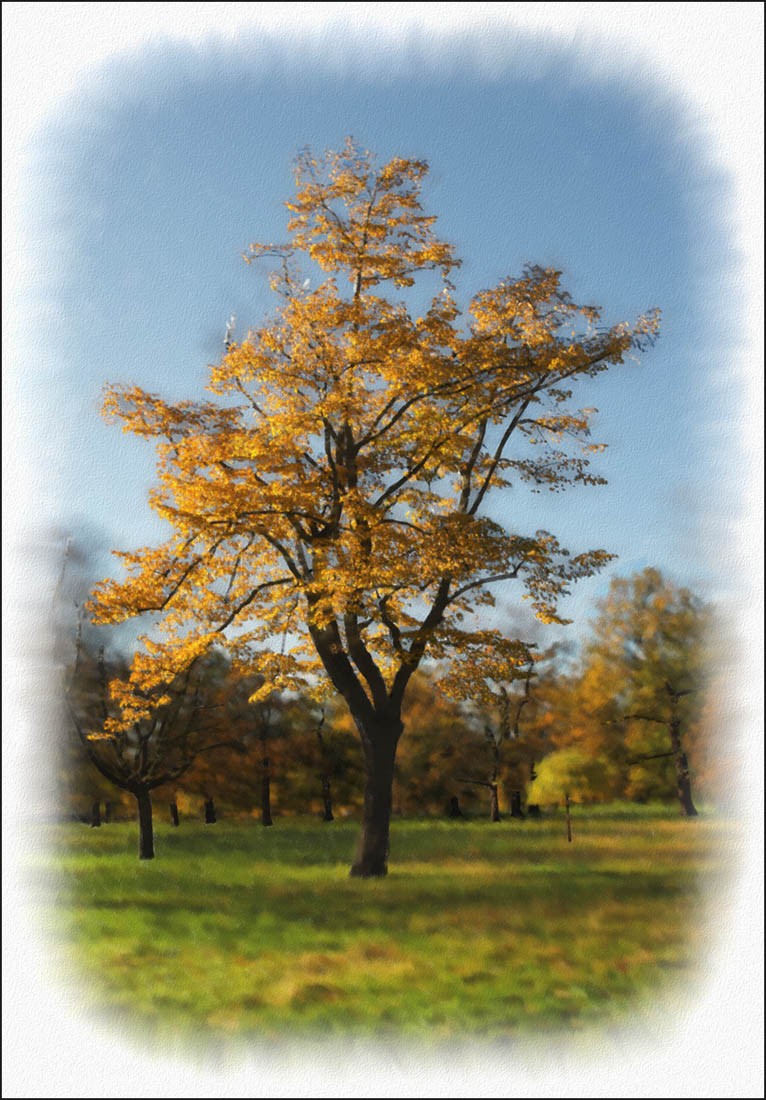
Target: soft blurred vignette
35,563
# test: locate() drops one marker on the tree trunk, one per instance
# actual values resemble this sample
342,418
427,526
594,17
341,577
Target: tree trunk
324,774
327,799
145,827
453,809
569,820
108,812
95,815
683,782
266,792
396,798
210,818
494,804
174,813
379,751
516,810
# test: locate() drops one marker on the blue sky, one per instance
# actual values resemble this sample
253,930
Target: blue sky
152,181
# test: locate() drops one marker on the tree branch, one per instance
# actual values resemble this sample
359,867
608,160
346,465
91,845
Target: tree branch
249,599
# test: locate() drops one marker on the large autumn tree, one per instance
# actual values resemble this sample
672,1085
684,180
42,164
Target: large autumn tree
329,509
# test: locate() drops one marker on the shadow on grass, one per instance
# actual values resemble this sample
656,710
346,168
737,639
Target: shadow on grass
300,875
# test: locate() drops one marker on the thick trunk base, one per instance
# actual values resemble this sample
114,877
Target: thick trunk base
371,867
210,818
371,859
372,852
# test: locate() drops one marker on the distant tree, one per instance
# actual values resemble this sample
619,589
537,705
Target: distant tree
263,737
74,554
569,775
647,666
147,738
570,771
533,703
500,712
323,766
442,746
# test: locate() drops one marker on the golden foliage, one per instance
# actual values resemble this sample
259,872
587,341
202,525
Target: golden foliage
327,509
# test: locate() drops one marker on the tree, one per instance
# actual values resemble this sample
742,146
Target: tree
525,728
310,762
502,712
321,760
441,746
140,738
571,772
647,661
570,775
73,553
335,495
262,722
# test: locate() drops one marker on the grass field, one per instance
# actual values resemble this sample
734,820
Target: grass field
478,929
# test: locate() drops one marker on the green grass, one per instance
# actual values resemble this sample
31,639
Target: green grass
478,929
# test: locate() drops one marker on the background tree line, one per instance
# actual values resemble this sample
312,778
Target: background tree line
596,726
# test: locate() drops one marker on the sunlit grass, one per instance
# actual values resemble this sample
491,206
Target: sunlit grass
478,929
